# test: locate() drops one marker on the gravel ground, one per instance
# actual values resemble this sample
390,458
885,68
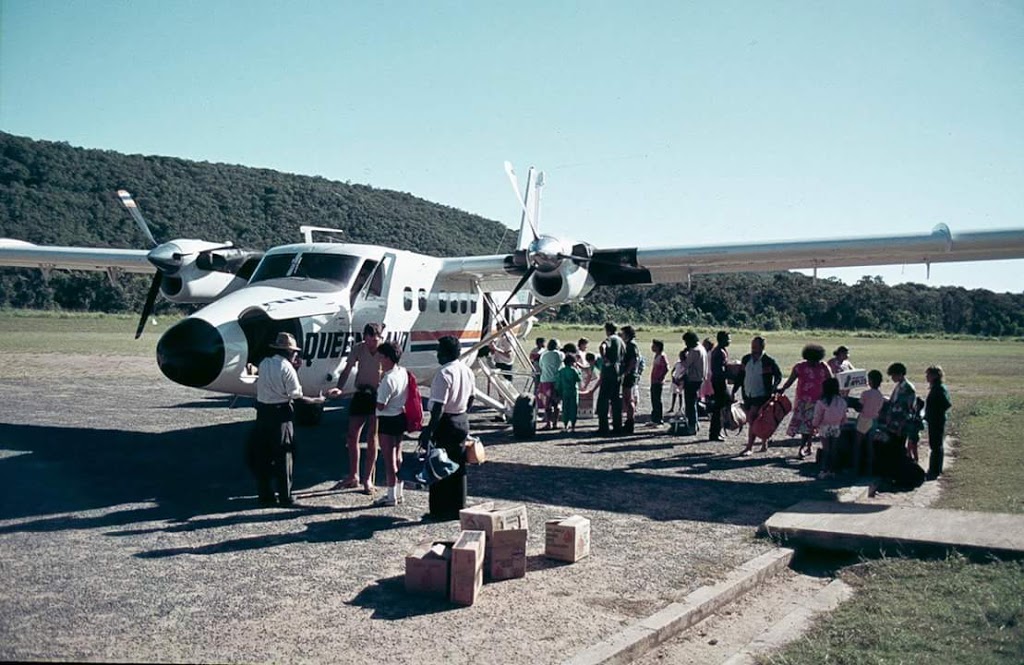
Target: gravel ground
128,532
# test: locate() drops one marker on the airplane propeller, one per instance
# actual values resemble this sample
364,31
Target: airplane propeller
166,257
511,173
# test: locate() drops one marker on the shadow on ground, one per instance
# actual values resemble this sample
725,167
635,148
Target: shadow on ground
179,475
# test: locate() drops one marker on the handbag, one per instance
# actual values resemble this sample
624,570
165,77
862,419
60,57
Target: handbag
475,453
734,417
436,466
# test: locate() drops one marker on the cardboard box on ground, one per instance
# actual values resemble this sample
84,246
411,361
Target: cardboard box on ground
506,529
427,568
567,538
467,569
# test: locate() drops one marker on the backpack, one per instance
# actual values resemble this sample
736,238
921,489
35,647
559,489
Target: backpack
413,406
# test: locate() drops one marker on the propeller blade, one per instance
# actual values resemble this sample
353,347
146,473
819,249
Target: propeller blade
511,173
129,203
526,276
147,309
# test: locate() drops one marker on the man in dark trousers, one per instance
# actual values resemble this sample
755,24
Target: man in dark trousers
450,395
719,361
272,442
613,350
758,380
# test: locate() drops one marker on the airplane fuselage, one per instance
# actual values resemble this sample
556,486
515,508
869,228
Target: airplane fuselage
323,294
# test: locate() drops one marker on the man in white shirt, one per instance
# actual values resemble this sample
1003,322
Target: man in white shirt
450,396
501,353
272,442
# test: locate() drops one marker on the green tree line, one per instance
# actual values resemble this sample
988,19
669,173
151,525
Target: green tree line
56,194
53,193
775,301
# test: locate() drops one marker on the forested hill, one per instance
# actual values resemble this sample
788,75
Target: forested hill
52,193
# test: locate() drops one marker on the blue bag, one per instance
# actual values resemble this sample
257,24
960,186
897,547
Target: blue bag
436,466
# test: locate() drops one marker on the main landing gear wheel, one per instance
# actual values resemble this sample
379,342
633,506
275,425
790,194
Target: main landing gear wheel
524,417
308,415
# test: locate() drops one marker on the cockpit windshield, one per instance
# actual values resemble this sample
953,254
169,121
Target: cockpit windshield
334,268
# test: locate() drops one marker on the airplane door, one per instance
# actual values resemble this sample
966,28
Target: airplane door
370,303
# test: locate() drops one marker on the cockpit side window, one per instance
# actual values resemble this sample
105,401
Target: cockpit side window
364,274
377,283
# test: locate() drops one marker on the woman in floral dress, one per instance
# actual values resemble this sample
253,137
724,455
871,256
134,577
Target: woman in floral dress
809,374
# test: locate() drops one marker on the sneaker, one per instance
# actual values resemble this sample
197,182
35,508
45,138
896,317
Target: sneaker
384,500
747,452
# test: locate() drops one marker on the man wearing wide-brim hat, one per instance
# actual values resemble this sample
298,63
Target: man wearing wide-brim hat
272,443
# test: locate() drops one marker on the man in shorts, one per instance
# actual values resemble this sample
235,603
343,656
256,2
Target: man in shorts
361,411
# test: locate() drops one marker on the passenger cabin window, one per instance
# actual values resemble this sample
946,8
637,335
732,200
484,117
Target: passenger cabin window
423,300
472,305
442,302
407,299
455,303
465,303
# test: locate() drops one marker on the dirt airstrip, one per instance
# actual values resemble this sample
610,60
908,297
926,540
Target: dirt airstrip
128,531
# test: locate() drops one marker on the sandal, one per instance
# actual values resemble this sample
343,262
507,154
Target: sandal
347,484
369,489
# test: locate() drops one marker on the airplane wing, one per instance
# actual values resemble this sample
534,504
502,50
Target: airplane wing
560,271
673,264
20,254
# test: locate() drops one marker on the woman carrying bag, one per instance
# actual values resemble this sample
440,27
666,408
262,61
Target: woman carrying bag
450,395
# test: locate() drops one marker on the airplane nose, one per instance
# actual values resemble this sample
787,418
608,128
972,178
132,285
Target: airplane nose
191,353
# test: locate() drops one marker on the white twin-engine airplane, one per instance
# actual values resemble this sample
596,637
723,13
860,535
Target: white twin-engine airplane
325,292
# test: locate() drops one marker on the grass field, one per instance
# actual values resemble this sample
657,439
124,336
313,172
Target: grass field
906,610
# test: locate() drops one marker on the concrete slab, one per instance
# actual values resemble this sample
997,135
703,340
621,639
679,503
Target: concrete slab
640,637
793,625
875,528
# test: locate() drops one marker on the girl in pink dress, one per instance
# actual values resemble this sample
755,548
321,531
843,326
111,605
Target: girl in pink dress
809,374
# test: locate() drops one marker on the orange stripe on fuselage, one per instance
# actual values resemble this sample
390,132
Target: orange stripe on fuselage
426,335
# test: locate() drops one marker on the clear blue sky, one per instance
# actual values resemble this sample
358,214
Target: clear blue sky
657,123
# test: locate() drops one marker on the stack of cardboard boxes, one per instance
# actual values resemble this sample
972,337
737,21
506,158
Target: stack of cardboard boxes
507,530
492,544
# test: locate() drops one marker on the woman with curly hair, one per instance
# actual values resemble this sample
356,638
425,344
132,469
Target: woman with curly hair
810,374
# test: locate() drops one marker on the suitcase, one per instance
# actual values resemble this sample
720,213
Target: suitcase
771,416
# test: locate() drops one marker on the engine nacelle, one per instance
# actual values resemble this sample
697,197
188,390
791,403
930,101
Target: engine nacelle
191,284
571,281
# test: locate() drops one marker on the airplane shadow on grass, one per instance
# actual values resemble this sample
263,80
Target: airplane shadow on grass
51,473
